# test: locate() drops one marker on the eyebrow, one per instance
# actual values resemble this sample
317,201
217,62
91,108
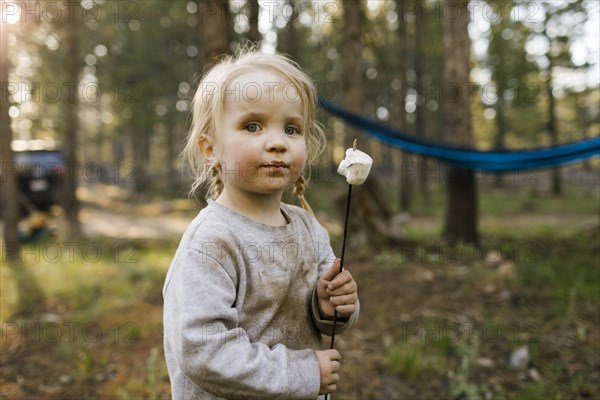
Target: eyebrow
252,115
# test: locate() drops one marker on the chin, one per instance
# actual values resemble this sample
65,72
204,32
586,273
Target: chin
273,188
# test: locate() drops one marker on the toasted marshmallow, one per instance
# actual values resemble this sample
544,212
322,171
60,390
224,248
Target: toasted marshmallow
355,166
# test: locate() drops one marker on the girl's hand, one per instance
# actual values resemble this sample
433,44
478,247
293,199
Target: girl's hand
329,365
337,292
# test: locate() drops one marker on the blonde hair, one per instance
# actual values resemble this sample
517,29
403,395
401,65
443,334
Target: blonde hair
208,104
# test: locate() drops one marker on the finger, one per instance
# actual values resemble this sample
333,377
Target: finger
343,300
347,288
332,272
346,310
340,280
334,355
331,380
335,366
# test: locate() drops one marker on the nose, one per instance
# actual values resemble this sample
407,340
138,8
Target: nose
276,142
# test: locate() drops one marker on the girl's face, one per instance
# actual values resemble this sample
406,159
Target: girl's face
260,142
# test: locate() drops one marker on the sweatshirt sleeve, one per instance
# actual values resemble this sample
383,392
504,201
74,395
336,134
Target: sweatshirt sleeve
202,329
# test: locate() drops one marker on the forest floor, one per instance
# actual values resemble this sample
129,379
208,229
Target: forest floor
516,317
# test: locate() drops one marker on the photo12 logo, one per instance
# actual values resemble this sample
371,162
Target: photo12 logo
454,332
67,11
274,11
69,252
69,332
54,92
422,11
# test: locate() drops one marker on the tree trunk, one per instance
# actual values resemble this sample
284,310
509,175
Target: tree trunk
353,68
253,11
501,135
287,41
214,32
552,130
369,196
461,204
214,39
140,146
70,145
407,165
421,127
400,112
30,298
173,181
10,206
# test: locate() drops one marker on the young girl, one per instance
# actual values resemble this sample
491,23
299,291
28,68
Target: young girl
254,282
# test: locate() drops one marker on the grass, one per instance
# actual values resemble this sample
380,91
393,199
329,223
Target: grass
103,317
105,297
73,275
553,285
520,204
500,211
406,359
566,272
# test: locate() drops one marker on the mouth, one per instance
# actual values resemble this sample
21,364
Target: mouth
276,164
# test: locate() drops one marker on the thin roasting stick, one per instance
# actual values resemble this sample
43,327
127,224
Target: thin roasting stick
355,167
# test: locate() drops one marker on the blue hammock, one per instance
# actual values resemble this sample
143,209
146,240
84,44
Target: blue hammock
469,158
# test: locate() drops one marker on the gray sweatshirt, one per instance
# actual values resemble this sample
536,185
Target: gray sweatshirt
241,319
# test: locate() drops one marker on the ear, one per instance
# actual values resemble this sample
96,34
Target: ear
206,149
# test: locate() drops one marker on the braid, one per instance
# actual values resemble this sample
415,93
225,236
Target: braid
299,187
215,184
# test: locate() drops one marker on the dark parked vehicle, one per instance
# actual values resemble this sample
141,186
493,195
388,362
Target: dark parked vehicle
40,172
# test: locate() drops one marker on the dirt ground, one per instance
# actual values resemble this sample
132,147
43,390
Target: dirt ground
396,303
477,324
432,326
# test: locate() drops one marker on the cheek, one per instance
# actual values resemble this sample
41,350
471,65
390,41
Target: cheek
301,154
239,154
300,159
244,156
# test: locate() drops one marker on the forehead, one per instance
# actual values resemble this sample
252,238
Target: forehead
263,76
251,86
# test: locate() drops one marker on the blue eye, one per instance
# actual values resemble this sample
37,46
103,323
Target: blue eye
252,127
290,130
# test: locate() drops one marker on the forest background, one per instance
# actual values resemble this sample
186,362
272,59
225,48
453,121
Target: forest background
461,271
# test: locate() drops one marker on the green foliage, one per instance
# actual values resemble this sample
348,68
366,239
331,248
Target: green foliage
406,359
101,291
567,272
412,356
155,370
514,93
144,59
534,391
461,384
390,258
